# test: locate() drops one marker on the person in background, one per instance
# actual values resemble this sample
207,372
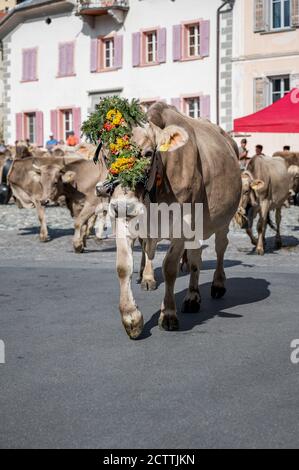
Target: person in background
2,146
286,148
72,140
259,150
27,142
243,154
51,142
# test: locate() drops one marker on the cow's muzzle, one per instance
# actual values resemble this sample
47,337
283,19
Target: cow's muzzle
106,188
44,202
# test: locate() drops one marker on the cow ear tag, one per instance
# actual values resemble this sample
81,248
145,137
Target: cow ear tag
164,147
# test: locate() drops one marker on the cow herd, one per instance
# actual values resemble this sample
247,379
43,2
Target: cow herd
200,166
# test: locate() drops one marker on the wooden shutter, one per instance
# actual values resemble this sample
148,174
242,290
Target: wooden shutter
32,59
162,46
205,107
69,58
54,123
205,38
177,103
39,119
177,42
260,13
118,51
295,13
19,126
94,55
136,38
62,60
295,80
25,64
77,122
261,93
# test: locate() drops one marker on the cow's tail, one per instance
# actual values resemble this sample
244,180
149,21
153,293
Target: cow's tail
271,223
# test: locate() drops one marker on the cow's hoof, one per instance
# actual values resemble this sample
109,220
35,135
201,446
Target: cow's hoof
191,304
168,322
149,285
44,238
79,248
217,292
278,243
133,323
260,251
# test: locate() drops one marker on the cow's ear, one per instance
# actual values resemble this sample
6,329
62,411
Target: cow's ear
172,138
36,169
68,177
257,185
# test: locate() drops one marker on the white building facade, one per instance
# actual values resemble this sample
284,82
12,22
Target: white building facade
61,57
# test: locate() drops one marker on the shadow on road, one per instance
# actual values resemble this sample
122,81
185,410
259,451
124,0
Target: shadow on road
53,232
240,291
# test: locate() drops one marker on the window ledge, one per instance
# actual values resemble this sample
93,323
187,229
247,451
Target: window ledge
29,81
190,59
151,64
275,31
65,76
111,69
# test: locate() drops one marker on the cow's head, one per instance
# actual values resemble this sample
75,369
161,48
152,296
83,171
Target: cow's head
294,175
249,199
52,177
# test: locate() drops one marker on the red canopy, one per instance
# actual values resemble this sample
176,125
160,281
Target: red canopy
280,117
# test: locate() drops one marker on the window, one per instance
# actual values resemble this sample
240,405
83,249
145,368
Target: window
67,122
193,40
66,59
192,107
279,86
280,14
151,45
30,127
29,65
108,46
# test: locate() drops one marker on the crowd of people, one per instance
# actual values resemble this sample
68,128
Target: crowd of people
244,156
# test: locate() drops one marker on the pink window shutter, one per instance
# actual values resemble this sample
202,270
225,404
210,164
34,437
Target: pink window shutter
19,126
118,52
162,35
94,55
54,123
32,59
177,42
39,128
205,38
25,61
205,107
176,102
77,122
136,38
62,60
69,57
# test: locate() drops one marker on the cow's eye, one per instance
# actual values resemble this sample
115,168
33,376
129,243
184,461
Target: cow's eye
149,153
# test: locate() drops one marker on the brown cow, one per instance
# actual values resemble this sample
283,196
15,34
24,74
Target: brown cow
199,166
291,158
265,187
36,181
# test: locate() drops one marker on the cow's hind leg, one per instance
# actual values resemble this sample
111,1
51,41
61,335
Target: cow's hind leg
81,227
192,300
43,234
221,242
146,273
168,318
261,228
278,242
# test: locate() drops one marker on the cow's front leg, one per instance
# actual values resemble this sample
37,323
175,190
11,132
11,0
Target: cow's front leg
168,318
261,228
131,316
192,300
41,213
251,236
221,242
278,242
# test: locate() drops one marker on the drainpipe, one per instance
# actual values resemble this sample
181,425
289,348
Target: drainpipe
220,11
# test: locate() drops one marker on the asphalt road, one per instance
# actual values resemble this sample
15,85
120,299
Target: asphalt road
73,379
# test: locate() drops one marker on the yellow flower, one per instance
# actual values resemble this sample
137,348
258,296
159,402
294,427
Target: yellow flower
113,147
122,164
114,116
